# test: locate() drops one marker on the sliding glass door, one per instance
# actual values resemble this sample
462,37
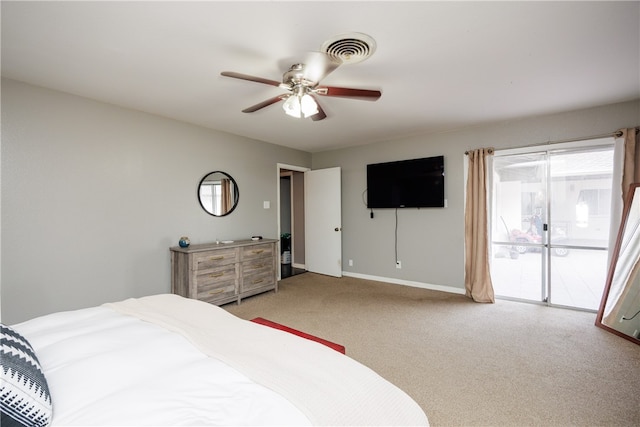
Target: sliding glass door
519,200
550,224
580,195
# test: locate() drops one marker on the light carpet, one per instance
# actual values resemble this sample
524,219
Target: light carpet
468,364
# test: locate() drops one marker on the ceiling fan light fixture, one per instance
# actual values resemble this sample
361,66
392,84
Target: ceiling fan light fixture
298,105
302,80
308,105
292,106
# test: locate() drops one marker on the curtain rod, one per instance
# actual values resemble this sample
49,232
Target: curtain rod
617,134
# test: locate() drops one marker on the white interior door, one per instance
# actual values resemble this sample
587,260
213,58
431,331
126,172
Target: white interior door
323,221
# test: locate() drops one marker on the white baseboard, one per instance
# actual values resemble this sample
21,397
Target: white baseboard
430,286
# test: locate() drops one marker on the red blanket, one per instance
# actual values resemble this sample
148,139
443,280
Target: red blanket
336,347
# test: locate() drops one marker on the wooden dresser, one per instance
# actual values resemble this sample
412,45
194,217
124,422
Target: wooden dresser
220,273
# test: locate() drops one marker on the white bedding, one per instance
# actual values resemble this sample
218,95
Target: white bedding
109,368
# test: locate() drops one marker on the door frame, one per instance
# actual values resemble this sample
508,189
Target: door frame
281,167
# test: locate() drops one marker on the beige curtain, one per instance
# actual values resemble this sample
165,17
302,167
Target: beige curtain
624,268
226,196
631,167
477,276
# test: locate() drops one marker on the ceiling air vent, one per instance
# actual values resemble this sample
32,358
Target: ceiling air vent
350,48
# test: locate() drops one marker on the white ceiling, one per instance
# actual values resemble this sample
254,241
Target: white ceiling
440,65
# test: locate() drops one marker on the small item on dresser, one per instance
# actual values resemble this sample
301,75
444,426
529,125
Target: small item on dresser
256,237
184,242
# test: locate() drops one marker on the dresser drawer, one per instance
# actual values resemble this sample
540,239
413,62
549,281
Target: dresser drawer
257,251
257,273
206,260
217,291
260,279
256,266
219,274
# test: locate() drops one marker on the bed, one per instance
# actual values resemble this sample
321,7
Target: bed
169,360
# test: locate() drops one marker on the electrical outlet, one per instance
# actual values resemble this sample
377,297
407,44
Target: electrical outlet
398,264
350,263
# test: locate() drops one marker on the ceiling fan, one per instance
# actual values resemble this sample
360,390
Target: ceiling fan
302,81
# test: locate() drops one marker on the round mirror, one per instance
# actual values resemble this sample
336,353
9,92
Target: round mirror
218,193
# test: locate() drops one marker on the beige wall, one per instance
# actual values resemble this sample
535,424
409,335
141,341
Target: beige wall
431,241
94,195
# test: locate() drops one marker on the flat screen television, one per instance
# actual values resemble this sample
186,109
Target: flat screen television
415,183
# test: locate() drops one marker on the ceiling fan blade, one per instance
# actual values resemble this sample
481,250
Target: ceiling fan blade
319,65
320,114
366,94
265,103
250,78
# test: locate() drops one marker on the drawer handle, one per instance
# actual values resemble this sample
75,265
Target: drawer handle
256,281
258,251
216,258
259,265
217,291
216,275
